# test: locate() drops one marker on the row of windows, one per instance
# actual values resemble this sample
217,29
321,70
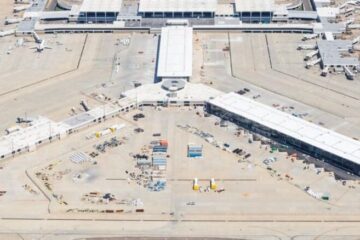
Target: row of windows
177,14
98,14
255,14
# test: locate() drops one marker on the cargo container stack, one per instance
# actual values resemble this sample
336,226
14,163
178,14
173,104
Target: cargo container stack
161,147
159,155
159,161
194,151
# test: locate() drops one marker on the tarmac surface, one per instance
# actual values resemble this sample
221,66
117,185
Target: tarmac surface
257,203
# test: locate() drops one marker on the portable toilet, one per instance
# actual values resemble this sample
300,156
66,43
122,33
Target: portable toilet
212,184
196,186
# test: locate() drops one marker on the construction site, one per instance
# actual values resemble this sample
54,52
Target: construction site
184,120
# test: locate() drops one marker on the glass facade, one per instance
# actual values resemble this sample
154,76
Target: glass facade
177,14
256,17
97,17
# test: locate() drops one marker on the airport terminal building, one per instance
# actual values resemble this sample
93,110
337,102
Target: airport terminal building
177,8
314,140
255,11
99,11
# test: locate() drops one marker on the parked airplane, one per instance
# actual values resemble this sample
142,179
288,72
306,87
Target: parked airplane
41,46
41,43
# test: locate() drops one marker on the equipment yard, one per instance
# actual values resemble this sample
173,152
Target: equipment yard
294,191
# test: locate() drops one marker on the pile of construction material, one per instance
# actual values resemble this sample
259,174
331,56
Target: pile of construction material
152,162
79,157
30,189
157,186
98,198
88,210
47,176
113,142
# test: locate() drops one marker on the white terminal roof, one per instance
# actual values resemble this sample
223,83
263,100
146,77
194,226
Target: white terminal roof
331,53
177,5
175,56
291,126
254,5
101,6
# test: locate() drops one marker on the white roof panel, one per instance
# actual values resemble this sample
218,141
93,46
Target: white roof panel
175,55
326,138
331,53
327,12
258,113
357,153
309,132
101,6
291,126
255,5
177,5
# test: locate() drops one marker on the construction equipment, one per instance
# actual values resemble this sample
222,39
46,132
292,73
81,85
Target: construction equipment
23,120
103,132
196,186
84,105
348,73
325,71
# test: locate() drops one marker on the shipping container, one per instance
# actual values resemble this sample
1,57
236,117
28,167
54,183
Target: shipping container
159,149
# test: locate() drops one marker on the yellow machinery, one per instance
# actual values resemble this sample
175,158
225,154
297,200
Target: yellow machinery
212,184
196,186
